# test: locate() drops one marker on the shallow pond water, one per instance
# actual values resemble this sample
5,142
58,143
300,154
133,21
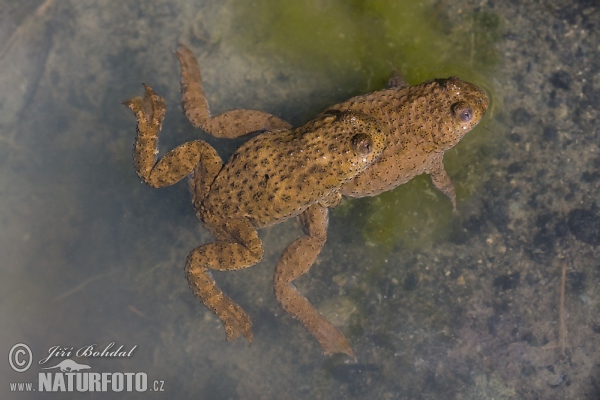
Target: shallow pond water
499,300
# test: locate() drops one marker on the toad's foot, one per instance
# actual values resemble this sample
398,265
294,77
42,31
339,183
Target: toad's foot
235,320
296,261
238,246
441,180
230,124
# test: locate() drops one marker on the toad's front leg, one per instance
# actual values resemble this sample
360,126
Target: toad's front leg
441,180
230,124
237,246
295,262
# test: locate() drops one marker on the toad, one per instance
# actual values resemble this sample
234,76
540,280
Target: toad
419,122
271,178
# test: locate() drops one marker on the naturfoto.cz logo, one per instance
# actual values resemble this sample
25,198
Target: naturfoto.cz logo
71,376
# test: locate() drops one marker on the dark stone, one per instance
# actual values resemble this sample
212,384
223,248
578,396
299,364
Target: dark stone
532,279
590,177
530,339
496,209
585,226
520,116
561,80
528,370
455,273
574,189
514,137
576,281
411,282
515,168
569,14
458,235
383,340
550,134
543,220
501,307
473,224
561,229
543,242
492,324
354,374
553,101
532,202
506,282
592,95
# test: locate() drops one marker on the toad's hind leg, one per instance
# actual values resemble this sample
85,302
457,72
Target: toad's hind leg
177,163
230,124
296,261
237,246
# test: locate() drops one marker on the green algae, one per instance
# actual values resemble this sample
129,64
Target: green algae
394,220
366,39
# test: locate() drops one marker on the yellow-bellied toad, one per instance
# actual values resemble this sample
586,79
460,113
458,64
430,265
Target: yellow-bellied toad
273,177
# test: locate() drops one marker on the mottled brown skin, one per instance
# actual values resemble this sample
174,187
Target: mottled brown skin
271,178
421,122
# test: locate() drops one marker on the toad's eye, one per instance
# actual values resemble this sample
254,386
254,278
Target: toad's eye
462,111
362,144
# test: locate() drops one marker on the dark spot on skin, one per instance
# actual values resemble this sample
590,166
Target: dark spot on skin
585,226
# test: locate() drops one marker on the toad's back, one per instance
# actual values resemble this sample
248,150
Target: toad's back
278,174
